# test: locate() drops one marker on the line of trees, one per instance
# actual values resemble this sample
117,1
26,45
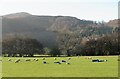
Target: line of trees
93,45
106,45
69,44
21,47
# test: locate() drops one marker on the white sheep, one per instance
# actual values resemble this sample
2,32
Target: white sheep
18,60
55,58
69,58
9,59
27,60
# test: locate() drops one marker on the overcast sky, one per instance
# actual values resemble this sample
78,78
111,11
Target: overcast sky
83,9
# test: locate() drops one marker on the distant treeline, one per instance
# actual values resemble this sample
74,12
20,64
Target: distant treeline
105,45
69,44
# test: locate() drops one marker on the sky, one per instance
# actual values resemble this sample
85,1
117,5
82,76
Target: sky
96,10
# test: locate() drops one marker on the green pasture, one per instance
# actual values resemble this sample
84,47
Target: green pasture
78,67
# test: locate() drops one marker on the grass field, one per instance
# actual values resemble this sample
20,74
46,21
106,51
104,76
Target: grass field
0,68
78,67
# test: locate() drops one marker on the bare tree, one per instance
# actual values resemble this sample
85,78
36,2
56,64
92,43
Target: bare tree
70,42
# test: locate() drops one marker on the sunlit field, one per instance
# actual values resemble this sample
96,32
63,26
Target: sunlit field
74,67
0,67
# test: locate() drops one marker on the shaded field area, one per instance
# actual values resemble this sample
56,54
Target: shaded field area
77,67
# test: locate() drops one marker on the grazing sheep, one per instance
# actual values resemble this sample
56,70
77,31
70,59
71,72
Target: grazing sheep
35,59
105,60
78,56
69,58
57,62
89,57
43,58
55,58
67,63
63,61
27,60
18,60
44,62
9,59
